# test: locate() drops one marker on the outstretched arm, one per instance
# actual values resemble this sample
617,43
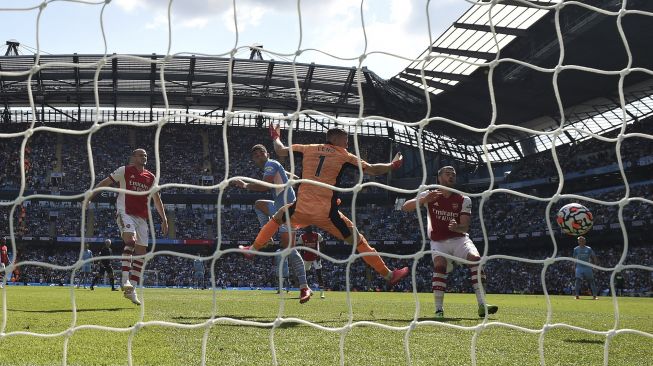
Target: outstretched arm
257,187
383,168
279,147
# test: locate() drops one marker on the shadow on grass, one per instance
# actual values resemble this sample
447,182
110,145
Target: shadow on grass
68,310
205,318
199,319
449,320
267,319
585,341
289,324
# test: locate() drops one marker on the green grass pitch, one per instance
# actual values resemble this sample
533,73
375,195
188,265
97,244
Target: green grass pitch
48,311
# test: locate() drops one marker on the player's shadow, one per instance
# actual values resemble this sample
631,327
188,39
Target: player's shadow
585,341
449,320
66,310
262,319
205,318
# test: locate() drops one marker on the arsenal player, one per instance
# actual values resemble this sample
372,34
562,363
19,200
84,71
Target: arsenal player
4,260
312,240
133,212
449,216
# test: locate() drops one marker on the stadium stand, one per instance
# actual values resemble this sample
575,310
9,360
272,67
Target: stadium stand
198,153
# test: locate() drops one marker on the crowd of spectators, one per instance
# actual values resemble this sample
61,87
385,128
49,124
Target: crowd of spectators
187,153
503,214
584,155
503,276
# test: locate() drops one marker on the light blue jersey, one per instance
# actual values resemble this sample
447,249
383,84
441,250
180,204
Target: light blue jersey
86,267
198,265
274,169
583,254
198,268
284,269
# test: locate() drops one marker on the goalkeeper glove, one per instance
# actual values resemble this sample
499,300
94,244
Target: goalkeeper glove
397,163
273,132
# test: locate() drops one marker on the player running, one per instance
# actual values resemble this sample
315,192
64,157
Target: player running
449,216
316,205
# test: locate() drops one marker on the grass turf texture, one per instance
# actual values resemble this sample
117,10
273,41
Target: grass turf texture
48,310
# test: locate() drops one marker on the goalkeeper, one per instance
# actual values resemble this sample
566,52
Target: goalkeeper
317,205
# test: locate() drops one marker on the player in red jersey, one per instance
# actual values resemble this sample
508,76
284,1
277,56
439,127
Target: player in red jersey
4,260
449,216
311,239
132,215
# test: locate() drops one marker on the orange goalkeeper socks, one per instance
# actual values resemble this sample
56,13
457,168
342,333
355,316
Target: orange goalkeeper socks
267,232
374,261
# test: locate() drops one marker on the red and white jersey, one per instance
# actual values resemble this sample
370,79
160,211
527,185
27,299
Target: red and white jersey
131,179
442,211
4,258
311,240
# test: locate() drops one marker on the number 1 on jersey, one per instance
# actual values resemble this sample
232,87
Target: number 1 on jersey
319,165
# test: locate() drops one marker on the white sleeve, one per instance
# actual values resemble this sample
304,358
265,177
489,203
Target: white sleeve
467,205
118,174
422,195
319,238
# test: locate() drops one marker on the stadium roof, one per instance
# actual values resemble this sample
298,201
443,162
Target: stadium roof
194,82
470,40
456,69
461,91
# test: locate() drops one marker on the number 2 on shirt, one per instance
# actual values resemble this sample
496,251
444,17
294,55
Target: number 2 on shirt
319,165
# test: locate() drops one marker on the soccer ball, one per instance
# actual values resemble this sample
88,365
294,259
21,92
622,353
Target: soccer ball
575,219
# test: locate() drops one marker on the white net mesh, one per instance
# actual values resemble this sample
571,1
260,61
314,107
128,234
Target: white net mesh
494,43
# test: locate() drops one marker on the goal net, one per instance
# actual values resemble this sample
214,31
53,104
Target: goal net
44,131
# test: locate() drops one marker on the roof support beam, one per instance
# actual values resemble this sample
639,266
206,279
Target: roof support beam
527,4
516,148
64,113
114,84
486,28
207,114
152,85
191,76
465,53
438,74
347,86
2,91
307,81
78,95
189,85
268,79
429,82
40,97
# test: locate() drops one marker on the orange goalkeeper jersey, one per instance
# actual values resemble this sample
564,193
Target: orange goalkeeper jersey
322,163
